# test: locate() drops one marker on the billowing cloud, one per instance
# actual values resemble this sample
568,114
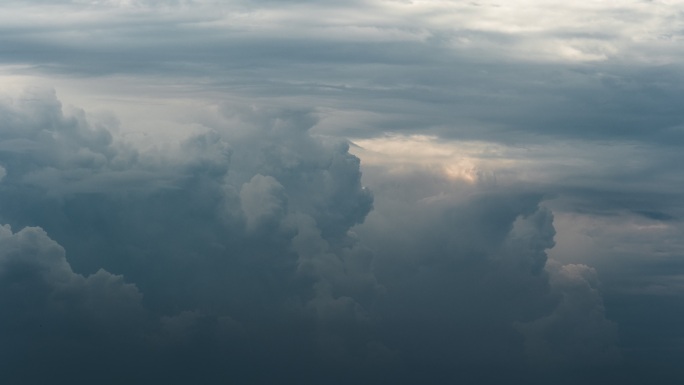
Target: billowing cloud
52,315
561,337
207,189
243,246
206,235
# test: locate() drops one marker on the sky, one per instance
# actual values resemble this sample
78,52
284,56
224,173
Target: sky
370,191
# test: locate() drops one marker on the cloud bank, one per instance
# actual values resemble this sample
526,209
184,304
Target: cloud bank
237,255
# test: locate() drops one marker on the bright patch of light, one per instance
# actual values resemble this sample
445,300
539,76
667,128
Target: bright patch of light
458,161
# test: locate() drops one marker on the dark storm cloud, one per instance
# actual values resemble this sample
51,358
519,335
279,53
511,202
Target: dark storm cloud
251,250
481,260
52,316
243,259
218,248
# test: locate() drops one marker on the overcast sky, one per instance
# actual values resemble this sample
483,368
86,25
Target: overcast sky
318,192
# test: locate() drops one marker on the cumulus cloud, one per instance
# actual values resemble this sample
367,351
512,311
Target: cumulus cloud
577,331
217,242
251,244
463,269
52,315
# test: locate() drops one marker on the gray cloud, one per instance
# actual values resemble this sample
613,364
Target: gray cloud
577,330
53,316
481,259
227,194
245,257
459,81
209,246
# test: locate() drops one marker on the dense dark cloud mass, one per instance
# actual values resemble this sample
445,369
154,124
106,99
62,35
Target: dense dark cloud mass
480,258
236,260
182,197
197,237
